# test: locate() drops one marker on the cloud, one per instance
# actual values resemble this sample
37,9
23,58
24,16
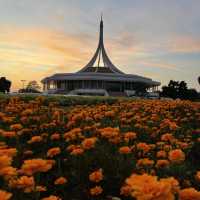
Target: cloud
33,53
184,44
36,52
161,65
37,46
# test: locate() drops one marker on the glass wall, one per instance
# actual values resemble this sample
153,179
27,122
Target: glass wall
68,85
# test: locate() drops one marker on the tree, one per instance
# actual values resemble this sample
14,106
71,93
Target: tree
176,89
182,90
171,90
32,87
4,85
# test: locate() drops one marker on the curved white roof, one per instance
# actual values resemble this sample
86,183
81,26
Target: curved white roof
107,73
101,76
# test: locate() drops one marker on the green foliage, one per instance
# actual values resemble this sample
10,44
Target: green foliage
66,100
4,85
176,89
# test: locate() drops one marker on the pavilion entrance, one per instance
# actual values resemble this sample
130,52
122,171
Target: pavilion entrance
112,86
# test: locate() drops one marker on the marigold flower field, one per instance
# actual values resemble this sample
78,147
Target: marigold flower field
128,149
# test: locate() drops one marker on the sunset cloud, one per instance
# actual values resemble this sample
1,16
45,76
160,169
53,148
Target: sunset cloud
159,39
43,51
161,65
184,44
40,50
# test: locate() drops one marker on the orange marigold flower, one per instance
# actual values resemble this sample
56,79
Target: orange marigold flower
130,136
52,197
5,161
73,134
197,176
109,132
168,137
148,187
53,152
125,190
8,134
77,151
3,145
8,172
35,139
89,143
32,166
60,181
173,182
173,126
96,176
144,162
5,195
189,194
27,112
176,156
110,114
8,120
143,146
95,191
24,182
71,147
162,163
161,154
125,150
11,152
57,115
16,127
55,136
40,188
166,123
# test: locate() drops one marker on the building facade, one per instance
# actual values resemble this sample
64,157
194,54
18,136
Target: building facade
99,79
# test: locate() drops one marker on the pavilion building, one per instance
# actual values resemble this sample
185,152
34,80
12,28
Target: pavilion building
99,77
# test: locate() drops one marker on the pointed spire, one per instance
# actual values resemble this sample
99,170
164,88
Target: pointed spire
101,52
101,22
101,31
100,41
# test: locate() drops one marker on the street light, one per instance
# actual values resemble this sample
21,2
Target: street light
23,83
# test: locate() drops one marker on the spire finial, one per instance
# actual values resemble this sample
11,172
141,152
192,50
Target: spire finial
101,22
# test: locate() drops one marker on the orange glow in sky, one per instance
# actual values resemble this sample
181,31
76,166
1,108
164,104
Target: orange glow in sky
40,38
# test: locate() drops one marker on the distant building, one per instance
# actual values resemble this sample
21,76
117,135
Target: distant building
95,79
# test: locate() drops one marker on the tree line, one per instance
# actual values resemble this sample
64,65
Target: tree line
174,89
179,90
31,87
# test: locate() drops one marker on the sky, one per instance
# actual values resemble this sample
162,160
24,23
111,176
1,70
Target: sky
158,39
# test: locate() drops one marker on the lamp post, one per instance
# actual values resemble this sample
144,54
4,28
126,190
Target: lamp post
23,83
